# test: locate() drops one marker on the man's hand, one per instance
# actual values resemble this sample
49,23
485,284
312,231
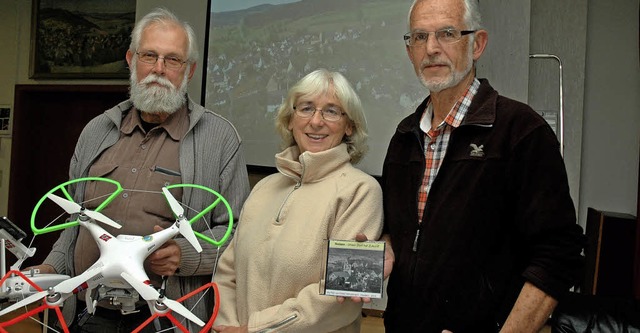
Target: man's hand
165,260
531,310
230,329
389,259
43,268
389,256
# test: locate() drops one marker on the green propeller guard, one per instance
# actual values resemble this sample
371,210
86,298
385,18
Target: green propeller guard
62,188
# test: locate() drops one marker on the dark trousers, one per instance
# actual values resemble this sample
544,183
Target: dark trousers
112,321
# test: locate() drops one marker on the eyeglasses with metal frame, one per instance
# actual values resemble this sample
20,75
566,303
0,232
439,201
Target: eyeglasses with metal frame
443,36
328,113
151,58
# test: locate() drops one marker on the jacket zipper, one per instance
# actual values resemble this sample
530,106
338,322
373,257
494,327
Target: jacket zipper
295,187
415,240
277,325
421,145
417,237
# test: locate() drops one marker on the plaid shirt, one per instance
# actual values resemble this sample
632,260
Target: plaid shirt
436,140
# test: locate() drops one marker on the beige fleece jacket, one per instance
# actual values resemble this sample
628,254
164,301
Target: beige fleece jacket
269,275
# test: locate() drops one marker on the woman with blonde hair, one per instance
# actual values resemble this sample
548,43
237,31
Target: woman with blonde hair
269,275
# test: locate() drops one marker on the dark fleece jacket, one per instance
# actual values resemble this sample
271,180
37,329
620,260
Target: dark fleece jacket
499,213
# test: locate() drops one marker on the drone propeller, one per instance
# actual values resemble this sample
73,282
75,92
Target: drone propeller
150,294
70,285
183,224
25,301
72,208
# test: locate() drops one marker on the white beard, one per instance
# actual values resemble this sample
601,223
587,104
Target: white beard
451,80
156,99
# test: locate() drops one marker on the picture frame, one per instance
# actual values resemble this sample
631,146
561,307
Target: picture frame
82,39
5,119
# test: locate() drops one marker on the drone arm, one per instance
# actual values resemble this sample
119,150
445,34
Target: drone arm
18,249
16,266
150,294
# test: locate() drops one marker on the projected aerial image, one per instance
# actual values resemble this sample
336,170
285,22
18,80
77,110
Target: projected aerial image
258,49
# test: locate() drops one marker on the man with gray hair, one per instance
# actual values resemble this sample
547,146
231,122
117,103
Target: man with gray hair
156,138
476,198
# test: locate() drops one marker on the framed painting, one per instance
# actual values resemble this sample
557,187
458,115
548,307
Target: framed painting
5,120
80,39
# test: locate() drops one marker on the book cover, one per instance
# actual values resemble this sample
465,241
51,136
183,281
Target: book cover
354,268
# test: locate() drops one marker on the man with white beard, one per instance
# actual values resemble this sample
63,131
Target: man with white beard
156,138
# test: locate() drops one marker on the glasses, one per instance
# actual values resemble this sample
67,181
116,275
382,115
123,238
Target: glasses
443,36
169,62
329,113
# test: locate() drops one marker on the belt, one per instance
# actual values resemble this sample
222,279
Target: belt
143,312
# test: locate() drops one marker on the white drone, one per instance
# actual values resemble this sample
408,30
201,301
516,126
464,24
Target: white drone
119,273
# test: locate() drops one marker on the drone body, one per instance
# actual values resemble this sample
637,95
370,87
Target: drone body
120,266
124,253
118,275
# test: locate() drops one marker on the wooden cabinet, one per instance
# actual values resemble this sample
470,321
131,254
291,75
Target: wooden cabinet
610,254
47,122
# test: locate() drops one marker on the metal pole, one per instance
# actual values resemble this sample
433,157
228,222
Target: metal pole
3,261
561,115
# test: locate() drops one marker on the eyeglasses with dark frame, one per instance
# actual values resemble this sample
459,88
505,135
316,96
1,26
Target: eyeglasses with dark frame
443,36
329,113
151,58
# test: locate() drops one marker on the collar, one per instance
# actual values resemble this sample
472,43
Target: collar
456,114
482,110
309,167
176,124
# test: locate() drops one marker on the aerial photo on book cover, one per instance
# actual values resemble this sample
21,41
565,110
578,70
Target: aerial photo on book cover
354,268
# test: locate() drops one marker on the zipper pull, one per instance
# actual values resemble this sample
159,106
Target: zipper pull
415,241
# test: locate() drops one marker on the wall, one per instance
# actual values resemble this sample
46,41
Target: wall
597,41
610,137
507,48
15,33
185,10
611,126
9,18
559,28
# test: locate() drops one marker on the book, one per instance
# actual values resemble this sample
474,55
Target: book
353,268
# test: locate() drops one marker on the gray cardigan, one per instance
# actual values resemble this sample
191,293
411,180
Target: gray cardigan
211,156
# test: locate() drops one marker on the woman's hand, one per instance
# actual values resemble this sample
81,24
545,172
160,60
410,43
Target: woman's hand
389,259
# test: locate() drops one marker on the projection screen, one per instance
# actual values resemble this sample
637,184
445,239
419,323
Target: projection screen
259,48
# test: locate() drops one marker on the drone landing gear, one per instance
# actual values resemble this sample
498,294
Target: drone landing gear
125,299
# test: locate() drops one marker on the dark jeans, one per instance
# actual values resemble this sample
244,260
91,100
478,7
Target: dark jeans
112,321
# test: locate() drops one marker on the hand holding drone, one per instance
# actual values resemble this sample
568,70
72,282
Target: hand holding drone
119,273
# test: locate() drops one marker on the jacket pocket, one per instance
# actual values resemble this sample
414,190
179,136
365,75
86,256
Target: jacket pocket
154,201
99,190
